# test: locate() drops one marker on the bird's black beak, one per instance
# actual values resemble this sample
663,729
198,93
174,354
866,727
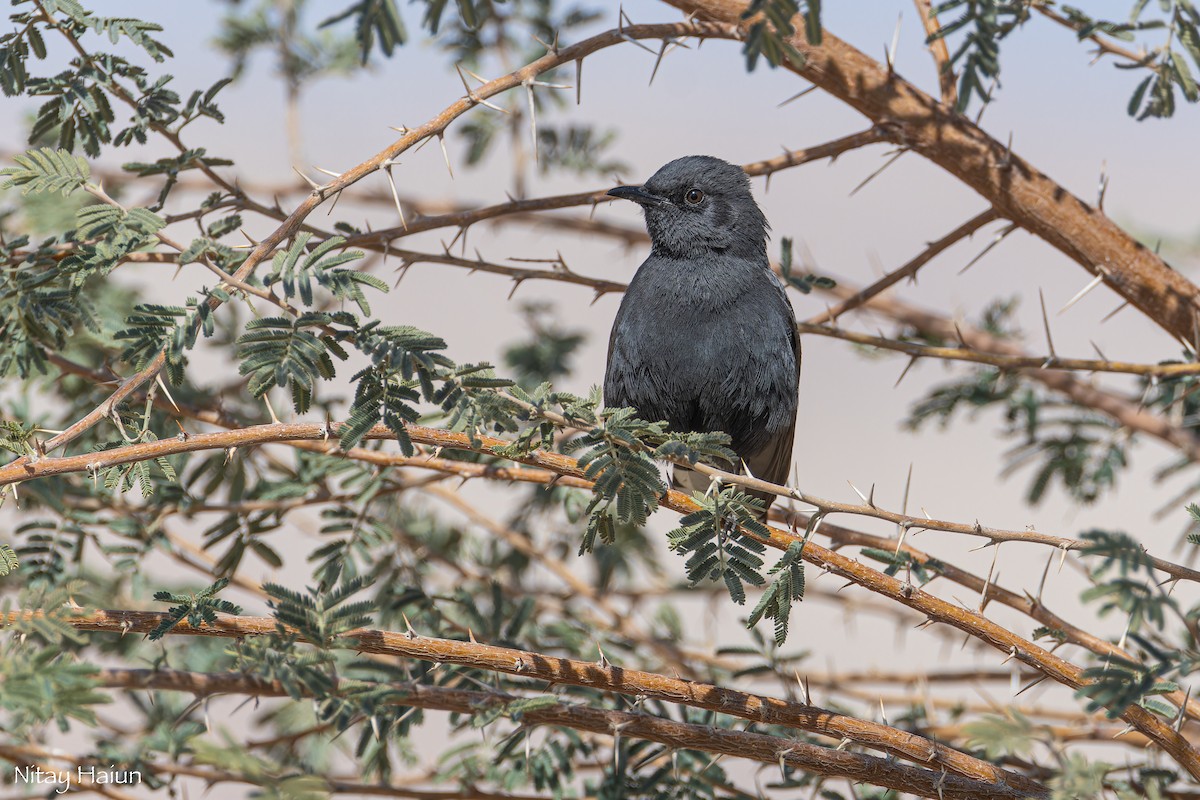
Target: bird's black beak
637,194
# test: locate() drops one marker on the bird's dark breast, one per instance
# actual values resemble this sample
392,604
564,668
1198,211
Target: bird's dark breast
706,360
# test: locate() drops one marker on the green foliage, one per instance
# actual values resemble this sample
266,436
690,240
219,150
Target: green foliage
1116,550
924,570
8,560
578,149
374,21
627,482
1082,451
46,170
199,608
785,588
192,159
768,36
1001,736
513,709
278,351
1080,779
321,617
123,477
987,22
16,438
154,329
296,275
1121,682
1141,601
716,549
1169,68
41,686
802,283
41,308
105,235
406,364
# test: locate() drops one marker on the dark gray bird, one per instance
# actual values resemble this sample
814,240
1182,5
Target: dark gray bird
705,338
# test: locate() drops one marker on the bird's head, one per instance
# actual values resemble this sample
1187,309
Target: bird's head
700,204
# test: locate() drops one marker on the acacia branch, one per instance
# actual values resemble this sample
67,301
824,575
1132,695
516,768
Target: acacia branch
909,270
433,128
605,677
1004,361
1103,45
1128,413
1011,185
1032,606
940,52
739,744
467,217
936,609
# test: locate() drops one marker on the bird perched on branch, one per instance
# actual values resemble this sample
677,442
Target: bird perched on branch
705,338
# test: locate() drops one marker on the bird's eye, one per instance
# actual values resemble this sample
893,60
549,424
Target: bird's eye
694,196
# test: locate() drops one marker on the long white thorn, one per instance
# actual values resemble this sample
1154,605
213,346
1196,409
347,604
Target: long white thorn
891,59
395,195
1092,284
445,155
316,186
797,96
1046,323
532,119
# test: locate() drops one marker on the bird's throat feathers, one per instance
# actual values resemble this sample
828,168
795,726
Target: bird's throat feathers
715,281
722,229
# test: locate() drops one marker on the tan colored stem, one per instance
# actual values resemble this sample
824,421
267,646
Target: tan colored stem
603,676
1012,186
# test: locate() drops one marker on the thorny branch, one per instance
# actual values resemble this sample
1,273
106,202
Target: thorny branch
1012,186
936,609
431,129
564,671
1002,360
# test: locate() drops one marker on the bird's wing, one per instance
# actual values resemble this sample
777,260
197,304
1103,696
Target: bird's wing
774,462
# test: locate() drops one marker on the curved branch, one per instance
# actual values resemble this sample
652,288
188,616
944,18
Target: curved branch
739,744
1127,413
935,608
1005,361
436,127
467,217
1011,185
603,676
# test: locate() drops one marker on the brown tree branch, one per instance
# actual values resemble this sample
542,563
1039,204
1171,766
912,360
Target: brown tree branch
1011,185
602,676
1103,45
433,128
1032,606
1130,414
739,744
940,52
468,217
909,270
1004,361
933,607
